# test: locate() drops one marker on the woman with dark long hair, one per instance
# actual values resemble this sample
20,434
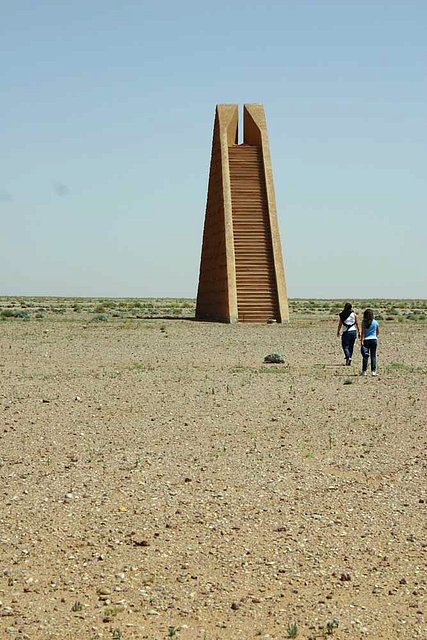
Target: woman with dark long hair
348,328
369,340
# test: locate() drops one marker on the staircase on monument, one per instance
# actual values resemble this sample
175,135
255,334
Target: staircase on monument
257,299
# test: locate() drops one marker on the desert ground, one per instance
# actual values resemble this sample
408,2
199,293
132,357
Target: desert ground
158,480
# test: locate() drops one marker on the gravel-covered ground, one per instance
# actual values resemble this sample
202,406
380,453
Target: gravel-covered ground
158,480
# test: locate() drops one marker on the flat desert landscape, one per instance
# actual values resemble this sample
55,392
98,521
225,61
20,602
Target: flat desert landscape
158,480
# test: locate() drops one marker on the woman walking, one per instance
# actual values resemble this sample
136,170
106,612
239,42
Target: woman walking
349,324
369,340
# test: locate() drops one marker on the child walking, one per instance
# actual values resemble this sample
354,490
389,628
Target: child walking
369,340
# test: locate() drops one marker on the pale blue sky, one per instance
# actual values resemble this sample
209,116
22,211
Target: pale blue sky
106,124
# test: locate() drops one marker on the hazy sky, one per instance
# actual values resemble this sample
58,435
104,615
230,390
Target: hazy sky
106,116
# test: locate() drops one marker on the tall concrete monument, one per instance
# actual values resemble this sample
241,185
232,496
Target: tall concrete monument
242,278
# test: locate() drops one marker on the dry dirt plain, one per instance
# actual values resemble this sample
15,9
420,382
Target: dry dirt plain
157,480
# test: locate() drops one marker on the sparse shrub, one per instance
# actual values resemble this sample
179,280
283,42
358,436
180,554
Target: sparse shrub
100,308
331,625
397,365
100,317
292,630
274,358
15,313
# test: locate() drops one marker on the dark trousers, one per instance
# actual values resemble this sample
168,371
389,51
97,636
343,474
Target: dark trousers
348,339
369,348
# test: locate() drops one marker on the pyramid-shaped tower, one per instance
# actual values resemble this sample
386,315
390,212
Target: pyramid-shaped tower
242,278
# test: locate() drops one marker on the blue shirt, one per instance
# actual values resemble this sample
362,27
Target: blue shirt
371,331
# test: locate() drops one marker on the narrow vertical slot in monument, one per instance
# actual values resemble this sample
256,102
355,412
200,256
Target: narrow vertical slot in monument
241,269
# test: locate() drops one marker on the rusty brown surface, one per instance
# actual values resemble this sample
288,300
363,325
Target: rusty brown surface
241,268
